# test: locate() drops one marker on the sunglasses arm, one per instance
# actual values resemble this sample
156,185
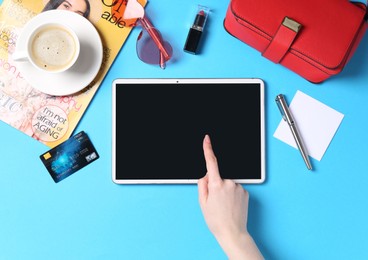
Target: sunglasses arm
156,37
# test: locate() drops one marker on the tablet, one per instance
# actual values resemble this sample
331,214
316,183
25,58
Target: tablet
159,125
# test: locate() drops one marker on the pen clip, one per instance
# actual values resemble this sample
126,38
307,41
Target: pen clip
284,109
278,102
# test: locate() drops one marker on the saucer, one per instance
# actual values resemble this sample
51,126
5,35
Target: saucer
85,68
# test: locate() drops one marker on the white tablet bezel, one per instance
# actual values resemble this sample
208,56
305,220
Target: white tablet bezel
187,81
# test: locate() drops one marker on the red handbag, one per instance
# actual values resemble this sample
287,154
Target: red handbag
313,38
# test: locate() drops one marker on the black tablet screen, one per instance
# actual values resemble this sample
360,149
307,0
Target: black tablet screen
160,130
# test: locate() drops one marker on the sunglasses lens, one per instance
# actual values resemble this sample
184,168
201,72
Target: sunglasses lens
147,49
127,13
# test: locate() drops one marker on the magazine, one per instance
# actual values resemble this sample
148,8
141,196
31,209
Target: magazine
26,108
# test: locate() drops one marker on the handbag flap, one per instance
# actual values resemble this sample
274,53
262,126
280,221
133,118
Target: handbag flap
329,27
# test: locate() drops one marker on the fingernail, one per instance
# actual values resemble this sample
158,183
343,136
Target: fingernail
207,139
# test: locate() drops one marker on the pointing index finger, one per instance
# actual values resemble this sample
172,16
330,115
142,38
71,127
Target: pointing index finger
211,161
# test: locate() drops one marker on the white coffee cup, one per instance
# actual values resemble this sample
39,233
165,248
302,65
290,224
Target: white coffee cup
50,47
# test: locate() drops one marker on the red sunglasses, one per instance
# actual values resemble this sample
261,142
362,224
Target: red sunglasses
151,48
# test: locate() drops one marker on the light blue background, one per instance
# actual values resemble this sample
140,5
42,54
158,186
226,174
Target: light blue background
295,214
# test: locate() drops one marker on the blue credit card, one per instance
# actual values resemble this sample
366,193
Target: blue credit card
69,157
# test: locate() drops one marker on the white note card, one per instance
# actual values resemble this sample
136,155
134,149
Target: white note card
317,124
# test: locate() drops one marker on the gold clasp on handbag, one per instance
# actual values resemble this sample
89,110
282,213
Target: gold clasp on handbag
291,24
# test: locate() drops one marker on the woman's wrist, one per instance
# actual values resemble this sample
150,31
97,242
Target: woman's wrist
240,246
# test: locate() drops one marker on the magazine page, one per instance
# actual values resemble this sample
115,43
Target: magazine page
52,119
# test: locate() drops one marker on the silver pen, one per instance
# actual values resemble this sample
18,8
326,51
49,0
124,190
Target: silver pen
288,117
